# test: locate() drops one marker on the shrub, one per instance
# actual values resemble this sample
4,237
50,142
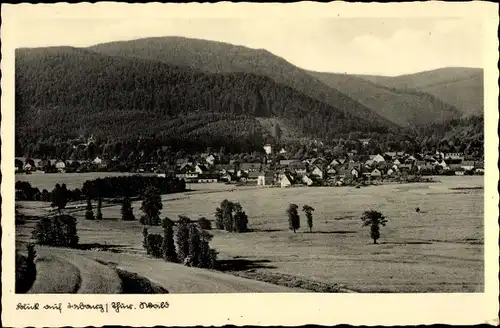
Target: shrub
205,224
154,245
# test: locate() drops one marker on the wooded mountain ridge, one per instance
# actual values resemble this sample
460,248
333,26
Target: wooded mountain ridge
197,93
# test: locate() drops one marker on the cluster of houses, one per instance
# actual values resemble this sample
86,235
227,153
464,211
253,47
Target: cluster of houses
319,171
314,171
30,165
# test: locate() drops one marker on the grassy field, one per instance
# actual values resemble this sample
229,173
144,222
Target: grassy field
439,249
72,180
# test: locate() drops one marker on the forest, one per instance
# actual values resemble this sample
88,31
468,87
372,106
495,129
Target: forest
142,109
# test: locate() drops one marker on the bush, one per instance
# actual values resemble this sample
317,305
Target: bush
205,224
59,231
154,245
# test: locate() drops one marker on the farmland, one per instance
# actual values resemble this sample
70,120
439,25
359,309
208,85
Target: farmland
439,249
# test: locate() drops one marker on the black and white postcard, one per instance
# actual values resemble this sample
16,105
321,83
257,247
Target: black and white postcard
238,163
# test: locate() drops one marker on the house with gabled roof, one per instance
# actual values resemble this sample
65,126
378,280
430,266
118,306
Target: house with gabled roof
334,163
330,171
186,167
285,180
317,171
377,158
375,173
200,169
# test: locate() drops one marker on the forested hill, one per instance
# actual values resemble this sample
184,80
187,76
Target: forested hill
404,107
462,87
64,91
219,57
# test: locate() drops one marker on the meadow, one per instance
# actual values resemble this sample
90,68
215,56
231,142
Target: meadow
439,249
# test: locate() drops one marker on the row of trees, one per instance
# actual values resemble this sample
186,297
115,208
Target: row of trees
131,185
188,245
373,219
294,217
59,230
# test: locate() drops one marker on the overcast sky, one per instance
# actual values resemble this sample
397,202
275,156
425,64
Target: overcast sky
389,46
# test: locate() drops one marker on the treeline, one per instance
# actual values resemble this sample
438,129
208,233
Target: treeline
130,186
109,187
189,244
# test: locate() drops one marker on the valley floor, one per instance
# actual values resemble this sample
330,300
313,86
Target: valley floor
439,249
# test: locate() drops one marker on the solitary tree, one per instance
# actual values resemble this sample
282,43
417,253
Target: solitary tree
145,234
99,209
168,246
227,214
308,210
127,211
293,217
151,206
195,246
374,219
219,218
89,213
240,218
182,238
59,197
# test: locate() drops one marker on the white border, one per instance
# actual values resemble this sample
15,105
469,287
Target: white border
262,309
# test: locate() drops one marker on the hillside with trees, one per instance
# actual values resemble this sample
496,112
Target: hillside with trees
220,57
66,92
403,107
462,87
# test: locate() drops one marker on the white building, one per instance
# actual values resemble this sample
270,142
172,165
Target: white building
268,149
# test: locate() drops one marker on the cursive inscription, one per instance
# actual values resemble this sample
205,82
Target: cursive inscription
116,307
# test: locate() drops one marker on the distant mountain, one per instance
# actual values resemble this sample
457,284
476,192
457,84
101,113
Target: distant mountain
403,107
461,87
64,91
219,57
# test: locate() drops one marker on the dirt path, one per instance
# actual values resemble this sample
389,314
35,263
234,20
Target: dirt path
97,278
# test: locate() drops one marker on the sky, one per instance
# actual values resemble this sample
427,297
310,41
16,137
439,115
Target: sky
378,46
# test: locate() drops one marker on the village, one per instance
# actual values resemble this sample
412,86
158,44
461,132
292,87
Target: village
273,170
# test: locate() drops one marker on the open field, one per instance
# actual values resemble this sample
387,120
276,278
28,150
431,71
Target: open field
439,249
72,180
